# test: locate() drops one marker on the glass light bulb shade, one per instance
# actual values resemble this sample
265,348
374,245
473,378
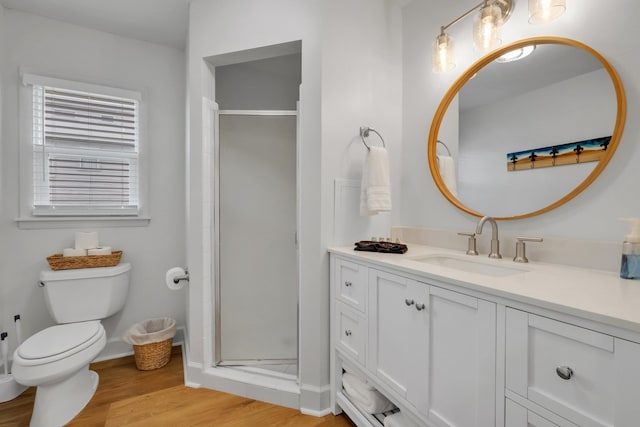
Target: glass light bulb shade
545,11
486,28
443,54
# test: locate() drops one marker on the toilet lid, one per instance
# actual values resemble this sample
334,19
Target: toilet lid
59,339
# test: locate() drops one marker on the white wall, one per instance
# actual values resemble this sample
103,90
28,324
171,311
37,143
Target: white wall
350,78
591,215
267,84
66,51
361,86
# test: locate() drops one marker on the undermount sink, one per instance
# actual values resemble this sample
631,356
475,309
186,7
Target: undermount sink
470,266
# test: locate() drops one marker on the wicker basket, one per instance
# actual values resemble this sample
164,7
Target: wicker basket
153,355
59,262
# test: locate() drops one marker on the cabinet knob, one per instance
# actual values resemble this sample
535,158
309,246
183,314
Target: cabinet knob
347,284
420,306
409,302
347,332
564,372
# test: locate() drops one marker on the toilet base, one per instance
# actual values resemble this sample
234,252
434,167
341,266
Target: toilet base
56,404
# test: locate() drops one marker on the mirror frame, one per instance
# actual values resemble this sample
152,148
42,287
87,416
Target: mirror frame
487,59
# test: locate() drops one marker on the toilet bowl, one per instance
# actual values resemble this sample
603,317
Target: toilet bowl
56,359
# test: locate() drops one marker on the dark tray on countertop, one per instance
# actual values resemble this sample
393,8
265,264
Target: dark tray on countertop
383,247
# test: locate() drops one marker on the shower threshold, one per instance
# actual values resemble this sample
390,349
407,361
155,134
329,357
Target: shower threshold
283,369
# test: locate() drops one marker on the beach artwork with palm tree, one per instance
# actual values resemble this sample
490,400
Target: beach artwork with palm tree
590,150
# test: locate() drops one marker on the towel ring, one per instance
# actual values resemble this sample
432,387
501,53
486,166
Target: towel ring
445,146
364,133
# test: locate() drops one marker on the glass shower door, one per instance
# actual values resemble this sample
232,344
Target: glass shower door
257,264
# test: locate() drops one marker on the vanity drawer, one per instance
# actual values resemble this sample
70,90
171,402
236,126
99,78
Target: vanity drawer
519,416
579,374
351,333
351,284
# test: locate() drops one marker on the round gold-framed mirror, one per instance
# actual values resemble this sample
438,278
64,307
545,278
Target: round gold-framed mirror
514,161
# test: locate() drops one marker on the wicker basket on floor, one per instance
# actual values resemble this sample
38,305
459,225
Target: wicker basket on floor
153,355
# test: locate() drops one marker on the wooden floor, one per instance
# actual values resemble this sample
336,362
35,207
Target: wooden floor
128,397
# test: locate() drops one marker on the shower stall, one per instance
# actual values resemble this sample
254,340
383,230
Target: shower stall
255,217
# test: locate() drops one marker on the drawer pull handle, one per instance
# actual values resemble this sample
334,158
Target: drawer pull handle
564,372
347,332
420,306
347,284
409,302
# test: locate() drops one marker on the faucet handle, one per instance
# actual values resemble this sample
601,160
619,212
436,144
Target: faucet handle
521,248
471,244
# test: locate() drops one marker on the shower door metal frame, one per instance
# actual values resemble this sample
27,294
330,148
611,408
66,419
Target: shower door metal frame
216,236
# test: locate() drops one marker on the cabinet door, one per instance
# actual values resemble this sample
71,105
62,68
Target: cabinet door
462,360
398,334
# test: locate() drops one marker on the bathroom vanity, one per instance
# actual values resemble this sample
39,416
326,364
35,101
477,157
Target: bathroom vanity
458,340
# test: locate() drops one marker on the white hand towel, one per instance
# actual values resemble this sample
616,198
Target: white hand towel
375,194
364,382
447,167
370,401
398,420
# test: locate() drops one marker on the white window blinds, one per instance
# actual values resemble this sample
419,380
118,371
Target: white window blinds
85,153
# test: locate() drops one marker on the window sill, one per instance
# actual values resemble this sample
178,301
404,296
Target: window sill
38,223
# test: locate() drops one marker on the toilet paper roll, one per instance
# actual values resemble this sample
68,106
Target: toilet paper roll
74,252
172,274
103,250
86,240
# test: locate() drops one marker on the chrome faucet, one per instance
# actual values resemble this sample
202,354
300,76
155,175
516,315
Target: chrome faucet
495,243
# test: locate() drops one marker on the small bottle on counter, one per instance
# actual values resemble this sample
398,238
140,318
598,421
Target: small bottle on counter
630,265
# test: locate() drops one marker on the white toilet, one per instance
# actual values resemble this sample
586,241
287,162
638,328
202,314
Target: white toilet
56,360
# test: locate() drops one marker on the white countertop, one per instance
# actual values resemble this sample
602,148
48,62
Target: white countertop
596,295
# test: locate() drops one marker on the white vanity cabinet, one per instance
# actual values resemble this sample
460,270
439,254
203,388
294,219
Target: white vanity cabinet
549,346
427,348
586,377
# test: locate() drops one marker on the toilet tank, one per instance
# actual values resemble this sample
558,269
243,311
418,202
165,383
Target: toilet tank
87,293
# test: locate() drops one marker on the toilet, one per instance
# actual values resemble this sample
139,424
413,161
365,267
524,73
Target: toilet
56,360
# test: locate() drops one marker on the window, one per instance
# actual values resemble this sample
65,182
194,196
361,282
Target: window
85,142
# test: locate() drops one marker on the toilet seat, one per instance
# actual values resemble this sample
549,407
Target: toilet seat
59,342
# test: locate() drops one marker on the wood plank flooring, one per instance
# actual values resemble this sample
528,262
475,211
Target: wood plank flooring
128,397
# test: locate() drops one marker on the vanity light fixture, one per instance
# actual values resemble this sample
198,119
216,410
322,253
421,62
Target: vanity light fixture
486,28
545,11
486,32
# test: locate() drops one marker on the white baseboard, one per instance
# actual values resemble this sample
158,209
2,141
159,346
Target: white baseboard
315,400
314,413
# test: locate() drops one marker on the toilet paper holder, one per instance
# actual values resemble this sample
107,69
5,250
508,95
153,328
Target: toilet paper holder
177,279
